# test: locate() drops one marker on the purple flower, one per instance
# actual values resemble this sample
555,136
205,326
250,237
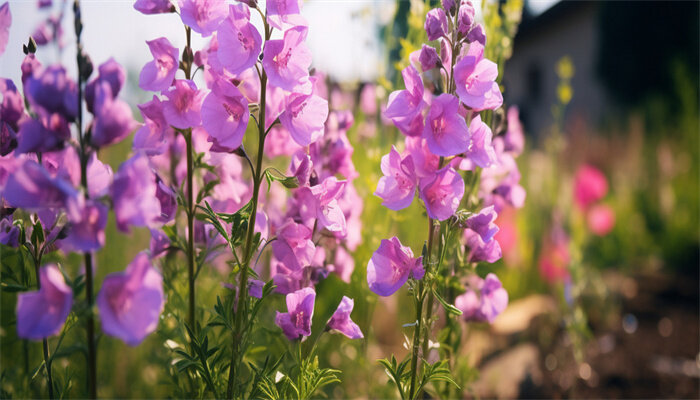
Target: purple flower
31,187
160,243
239,41
449,6
485,305
8,139
398,185
158,75
481,151
293,245
477,35
225,115
426,162
343,264
152,136
45,134
284,14
42,313
182,109
341,322
428,58
391,265
442,193
113,120
287,60
296,322
436,24
110,72
52,91
405,107
130,302
481,250
134,194
5,22
87,233
100,176
167,199
446,131
301,167
203,16
483,223
304,117
475,77
154,6
465,17
9,232
12,106
328,211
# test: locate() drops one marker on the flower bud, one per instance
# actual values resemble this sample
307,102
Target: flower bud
250,3
465,18
477,34
450,6
436,24
428,58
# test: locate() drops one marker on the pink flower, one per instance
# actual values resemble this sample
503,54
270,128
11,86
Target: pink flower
5,22
296,322
134,194
225,115
483,223
477,35
446,131
424,160
475,77
442,193
398,185
87,233
321,202
480,249
428,58
287,60
131,302
390,267
555,257
111,73
481,151
304,117
159,74
340,320
113,120
152,137
465,17
203,16
293,245
183,107
284,14
514,139
154,6
239,41
601,219
405,107
590,186
42,313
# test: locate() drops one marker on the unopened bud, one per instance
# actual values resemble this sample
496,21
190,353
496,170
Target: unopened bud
477,34
30,47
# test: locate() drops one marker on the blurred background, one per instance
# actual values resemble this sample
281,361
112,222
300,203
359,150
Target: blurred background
604,300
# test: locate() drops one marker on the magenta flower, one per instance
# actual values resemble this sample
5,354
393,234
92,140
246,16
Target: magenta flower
287,60
475,77
284,14
9,232
340,320
390,267
424,160
239,41
46,134
304,117
601,219
160,243
483,223
590,186
405,107
446,131
436,24
296,322
113,120
442,193
87,233
42,313
398,185
5,22
225,115
486,304
111,73
428,58
130,302
183,107
328,211
158,75
477,35
154,6
203,16
481,151
134,194
152,137
465,17
100,177
53,91
168,201
12,105
293,245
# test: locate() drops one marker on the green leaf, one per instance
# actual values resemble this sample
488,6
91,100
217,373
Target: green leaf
447,306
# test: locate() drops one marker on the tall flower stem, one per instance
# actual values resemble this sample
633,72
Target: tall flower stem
90,323
36,257
242,300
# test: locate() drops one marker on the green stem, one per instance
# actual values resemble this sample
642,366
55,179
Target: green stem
44,342
416,341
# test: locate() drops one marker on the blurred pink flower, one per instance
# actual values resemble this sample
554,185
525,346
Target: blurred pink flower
590,185
601,219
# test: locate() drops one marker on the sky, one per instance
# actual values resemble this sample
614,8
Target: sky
342,36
